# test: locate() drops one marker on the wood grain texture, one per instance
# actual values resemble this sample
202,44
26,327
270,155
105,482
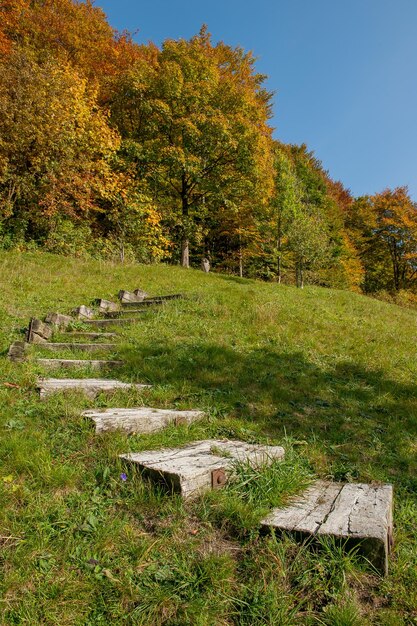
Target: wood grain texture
58,319
84,347
358,513
89,386
188,470
79,363
140,420
83,312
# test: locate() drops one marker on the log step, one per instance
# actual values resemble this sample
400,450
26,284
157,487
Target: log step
132,296
86,335
105,305
89,386
58,319
76,363
84,347
356,513
110,322
142,420
118,314
83,312
39,332
153,300
17,351
201,465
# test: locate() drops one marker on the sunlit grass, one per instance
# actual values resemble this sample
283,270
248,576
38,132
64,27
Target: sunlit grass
328,374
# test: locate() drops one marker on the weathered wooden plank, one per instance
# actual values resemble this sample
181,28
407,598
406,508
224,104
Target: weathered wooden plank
37,339
171,296
17,351
58,319
39,331
78,363
78,334
89,386
358,513
84,347
307,513
106,305
140,420
201,465
121,313
148,301
139,293
131,296
83,312
111,322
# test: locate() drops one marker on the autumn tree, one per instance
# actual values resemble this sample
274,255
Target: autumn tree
386,232
194,122
55,145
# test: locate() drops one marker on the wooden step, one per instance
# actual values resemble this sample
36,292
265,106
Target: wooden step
58,319
358,514
153,300
170,296
89,386
78,363
201,465
120,314
140,420
105,305
83,312
39,332
131,296
17,351
111,322
87,335
84,347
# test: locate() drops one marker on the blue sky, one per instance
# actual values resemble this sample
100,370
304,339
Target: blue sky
344,73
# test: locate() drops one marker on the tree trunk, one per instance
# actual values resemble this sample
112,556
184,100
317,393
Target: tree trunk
240,258
299,273
185,243
185,253
279,244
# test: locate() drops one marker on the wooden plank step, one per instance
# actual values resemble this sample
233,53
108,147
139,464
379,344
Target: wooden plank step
120,314
170,296
131,296
84,347
105,305
89,386
87,335
58,319
140,420
154,300
201,465
356,513
83,312
111,322
17,351
76,363
39,332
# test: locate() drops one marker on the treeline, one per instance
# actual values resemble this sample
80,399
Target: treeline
119,150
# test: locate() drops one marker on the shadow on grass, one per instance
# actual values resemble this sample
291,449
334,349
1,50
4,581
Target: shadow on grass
365,423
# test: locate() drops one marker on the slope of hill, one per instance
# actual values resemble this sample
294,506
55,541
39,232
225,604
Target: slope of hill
329,373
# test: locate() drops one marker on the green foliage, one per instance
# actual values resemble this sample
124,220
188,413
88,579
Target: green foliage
195,128
385,226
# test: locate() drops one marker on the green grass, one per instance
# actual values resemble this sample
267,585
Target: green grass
328,374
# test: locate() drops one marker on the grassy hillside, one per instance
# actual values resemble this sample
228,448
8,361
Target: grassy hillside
328,374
